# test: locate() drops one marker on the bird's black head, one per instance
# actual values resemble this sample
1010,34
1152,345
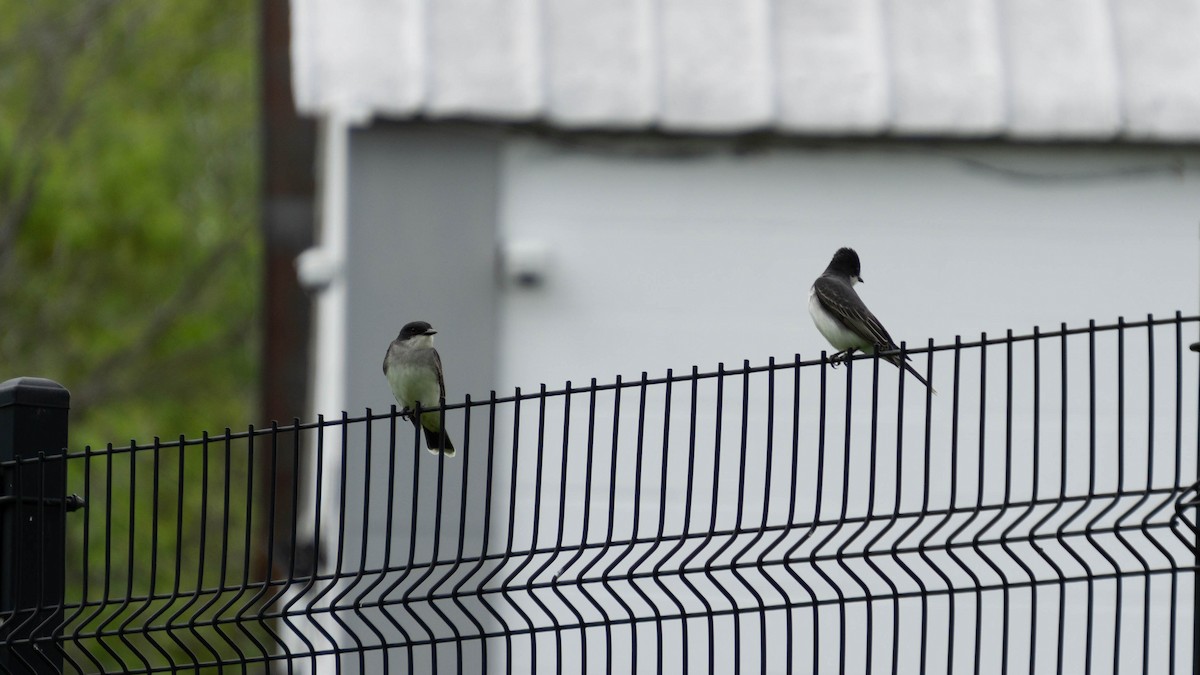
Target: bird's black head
845,261
415,328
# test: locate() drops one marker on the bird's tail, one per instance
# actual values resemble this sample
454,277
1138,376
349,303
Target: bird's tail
438,440
895,359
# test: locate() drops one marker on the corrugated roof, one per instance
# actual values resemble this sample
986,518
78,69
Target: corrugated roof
1030,69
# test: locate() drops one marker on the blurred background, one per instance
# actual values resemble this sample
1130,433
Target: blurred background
218,213
131,256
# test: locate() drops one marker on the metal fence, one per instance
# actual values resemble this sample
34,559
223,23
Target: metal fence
1037,514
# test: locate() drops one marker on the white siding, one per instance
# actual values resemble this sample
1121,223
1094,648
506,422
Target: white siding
832,73
579,34
483,58
1048,83
946,67
1160,67
715,72
1071,69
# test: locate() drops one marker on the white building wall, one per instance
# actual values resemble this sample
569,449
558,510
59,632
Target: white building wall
691,255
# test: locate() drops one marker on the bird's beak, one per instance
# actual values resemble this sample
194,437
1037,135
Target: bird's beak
430,332
860,280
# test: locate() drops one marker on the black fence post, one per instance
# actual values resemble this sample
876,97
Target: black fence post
33,481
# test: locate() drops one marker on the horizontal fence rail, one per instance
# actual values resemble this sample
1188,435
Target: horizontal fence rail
1036,514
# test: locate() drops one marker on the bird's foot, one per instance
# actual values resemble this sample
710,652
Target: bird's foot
406,413
839,358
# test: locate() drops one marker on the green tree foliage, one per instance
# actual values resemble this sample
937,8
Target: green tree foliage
130,272
129,255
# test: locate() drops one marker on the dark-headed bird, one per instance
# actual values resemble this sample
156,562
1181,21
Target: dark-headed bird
414,372
844,319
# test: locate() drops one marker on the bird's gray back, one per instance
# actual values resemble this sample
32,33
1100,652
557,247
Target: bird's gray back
840,299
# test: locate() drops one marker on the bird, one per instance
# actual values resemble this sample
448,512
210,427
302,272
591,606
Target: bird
414,373
842,317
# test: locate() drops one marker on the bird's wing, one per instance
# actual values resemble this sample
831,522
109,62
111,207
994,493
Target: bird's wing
437,363
841,301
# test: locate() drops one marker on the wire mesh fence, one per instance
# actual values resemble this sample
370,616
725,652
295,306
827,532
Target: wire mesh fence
1037,514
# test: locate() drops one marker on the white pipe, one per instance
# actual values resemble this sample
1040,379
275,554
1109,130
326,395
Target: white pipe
322,270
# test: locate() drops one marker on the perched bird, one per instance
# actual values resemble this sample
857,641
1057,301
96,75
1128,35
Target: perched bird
842,317
414,372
